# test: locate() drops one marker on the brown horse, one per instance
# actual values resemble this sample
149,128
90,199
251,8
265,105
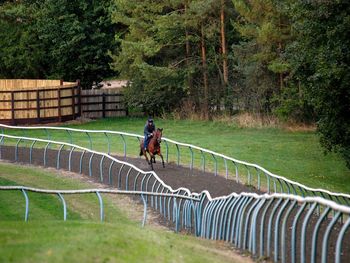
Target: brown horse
153,148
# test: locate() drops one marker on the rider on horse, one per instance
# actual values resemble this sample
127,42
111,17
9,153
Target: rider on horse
148,132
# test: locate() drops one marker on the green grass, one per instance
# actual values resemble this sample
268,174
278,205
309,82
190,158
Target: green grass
47,238
294,155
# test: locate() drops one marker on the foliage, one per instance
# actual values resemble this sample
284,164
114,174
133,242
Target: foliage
320,59
160,54
287,58
56,39
260,60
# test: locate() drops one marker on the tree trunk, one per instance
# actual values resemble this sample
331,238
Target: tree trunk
223,43
205,106
280,74
188,54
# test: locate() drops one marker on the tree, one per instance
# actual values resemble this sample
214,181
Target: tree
181,43
22,54
151,53
320,59
56,39
260,58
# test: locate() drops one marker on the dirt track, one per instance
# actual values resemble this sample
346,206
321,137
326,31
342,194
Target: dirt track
177,176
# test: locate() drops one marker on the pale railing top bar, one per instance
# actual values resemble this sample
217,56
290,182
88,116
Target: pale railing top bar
100,190
278,177
102,154
319,200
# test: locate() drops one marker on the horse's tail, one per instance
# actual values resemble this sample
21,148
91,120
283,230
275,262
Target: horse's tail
141,153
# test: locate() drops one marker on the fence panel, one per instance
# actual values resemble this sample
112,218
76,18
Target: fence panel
102,103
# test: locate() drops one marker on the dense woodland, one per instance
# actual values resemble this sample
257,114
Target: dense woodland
286,58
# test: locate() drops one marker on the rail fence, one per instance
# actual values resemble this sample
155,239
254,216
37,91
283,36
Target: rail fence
102,103
45,101
98,192
40,105
285,227
187,155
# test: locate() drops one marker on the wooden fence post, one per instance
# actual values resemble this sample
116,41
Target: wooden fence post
79,98
103,105
59,104
73,103
38,105
13,122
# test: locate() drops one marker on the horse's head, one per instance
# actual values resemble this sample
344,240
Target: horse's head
158,135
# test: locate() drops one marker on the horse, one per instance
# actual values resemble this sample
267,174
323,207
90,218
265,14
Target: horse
153,148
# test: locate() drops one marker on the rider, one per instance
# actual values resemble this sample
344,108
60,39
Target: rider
148,132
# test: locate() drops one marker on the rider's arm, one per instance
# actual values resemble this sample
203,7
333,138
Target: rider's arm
146,131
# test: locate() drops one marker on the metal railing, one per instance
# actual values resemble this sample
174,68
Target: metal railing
98,192
256,176
266,225
125,176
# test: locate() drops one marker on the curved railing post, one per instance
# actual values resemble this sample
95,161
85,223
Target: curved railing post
236,172
31,152
109,143
166,151
90,164
177,154
144,210
249,181
284,231
303,233
294,227
203,161
70,136
226,168
191,163
59,156
215,165
340,240
45,153
81,162
277,221
261,252
258,175
326,237
70,158
101,168
26,214
64,206
16,149
124,143
269,227
110,173
90,141
101,205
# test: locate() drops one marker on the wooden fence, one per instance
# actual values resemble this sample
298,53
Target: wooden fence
102,103
44,101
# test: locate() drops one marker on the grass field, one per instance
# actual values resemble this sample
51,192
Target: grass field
47,238
294,155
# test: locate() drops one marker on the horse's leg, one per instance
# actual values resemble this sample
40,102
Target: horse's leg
151,162
161,156
151,159
145,154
